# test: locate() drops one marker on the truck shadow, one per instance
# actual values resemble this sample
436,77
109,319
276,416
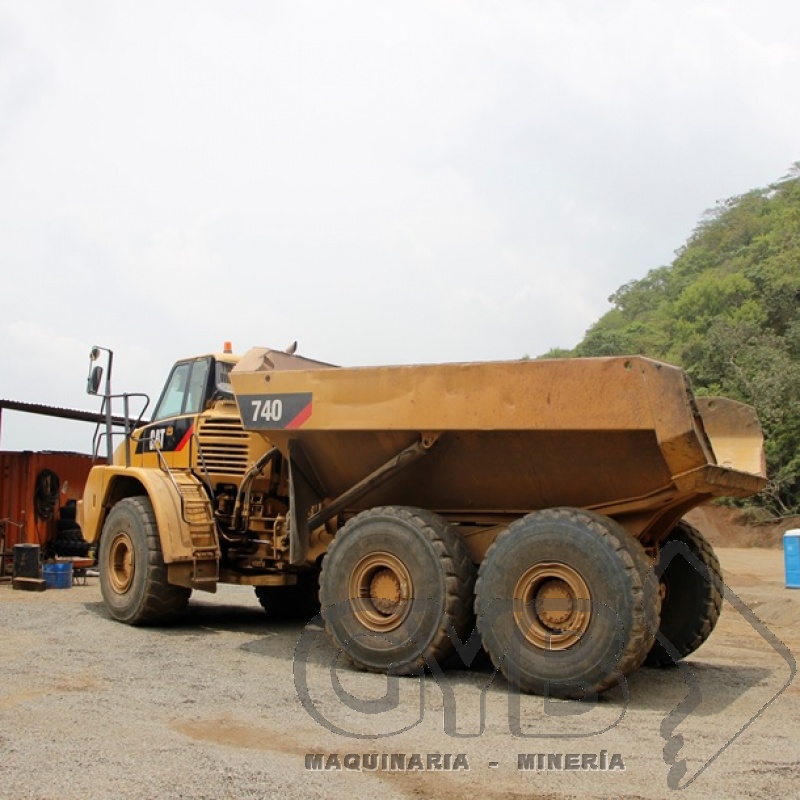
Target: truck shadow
716,686
212,619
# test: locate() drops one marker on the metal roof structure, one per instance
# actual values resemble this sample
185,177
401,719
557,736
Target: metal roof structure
55,411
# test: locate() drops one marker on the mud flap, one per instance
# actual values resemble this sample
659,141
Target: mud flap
304,492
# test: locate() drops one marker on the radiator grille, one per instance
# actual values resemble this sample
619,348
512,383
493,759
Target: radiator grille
224,446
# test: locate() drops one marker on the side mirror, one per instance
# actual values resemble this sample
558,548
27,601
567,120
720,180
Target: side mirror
93,381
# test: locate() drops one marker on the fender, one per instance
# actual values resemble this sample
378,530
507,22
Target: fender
107,485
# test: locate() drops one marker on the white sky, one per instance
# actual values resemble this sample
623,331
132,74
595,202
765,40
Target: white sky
384,182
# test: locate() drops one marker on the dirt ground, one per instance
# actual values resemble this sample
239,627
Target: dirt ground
93,708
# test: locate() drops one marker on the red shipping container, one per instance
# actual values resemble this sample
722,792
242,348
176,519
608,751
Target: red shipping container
33,487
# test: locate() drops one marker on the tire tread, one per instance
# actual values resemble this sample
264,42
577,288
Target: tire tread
459,578
161,602
711,603
644,587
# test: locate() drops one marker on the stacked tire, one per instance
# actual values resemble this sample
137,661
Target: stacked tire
69,539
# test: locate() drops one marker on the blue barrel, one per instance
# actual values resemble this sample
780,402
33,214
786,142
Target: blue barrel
57,574
791,556
26,560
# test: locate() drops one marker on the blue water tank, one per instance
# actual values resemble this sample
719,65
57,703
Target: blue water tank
791,556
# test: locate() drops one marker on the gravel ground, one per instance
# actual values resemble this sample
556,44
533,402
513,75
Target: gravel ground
93,708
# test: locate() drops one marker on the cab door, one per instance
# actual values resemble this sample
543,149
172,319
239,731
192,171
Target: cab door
172,427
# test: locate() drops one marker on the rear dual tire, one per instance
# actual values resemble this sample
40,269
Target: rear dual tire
692,595
566,603
396,585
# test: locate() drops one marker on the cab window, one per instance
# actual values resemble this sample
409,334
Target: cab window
223,373
185,390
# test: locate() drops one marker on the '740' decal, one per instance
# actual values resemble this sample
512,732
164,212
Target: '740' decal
274,411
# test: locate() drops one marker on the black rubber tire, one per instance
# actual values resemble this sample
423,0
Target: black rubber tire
614,568
45,494
300,601
644,564
442,578
67,547
146,597
692,600
81,548
62,547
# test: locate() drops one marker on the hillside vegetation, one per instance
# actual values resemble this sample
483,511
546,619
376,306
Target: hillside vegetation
728,311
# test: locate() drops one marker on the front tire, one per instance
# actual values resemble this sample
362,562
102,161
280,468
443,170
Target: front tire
564,603
133,576
394,583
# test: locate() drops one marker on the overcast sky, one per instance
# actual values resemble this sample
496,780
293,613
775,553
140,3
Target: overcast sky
384,182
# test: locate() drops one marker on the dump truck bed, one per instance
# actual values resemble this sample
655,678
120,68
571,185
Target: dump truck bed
623,436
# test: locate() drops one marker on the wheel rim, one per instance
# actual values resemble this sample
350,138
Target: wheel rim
381,589
552,606
121,564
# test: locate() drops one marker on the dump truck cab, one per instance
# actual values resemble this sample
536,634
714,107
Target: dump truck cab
210,497
195,390
196,397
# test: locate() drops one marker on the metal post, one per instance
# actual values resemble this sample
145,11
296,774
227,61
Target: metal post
127,430
107,403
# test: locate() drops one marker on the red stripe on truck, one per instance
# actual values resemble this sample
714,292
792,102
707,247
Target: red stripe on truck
183,442
300,418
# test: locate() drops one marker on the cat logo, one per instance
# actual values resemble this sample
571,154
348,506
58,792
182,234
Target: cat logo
156,441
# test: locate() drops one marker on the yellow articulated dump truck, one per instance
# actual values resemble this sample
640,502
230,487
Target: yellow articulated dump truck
539,500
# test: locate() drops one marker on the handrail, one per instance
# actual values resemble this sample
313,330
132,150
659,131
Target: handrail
205,471
128,427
